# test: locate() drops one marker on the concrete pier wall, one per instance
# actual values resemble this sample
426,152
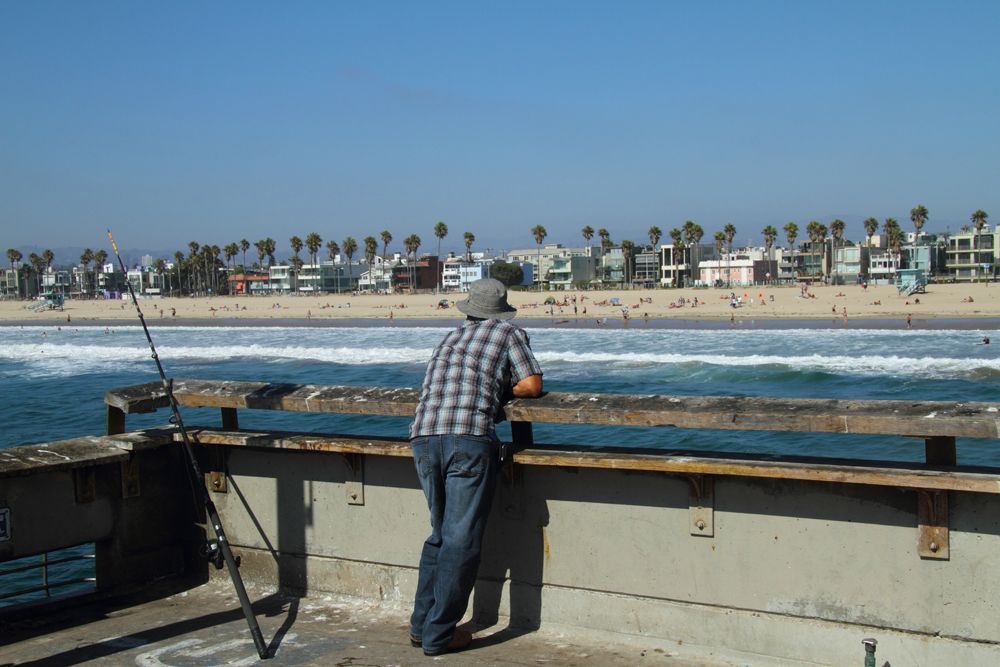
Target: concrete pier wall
796,571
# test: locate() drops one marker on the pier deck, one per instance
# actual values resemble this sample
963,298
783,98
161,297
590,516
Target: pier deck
204,626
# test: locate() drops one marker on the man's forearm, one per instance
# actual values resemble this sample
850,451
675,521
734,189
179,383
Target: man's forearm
529,387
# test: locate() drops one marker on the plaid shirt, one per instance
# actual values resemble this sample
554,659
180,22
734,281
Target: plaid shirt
468,375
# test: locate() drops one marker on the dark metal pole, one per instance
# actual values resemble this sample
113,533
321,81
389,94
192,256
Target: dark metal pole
197,478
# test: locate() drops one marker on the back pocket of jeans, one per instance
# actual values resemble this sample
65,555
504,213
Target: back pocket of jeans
466,464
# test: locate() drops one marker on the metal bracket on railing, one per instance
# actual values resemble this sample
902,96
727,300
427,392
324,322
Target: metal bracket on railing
701,510
355,485
217,479
932,523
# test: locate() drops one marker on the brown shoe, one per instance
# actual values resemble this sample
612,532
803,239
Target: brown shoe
459,640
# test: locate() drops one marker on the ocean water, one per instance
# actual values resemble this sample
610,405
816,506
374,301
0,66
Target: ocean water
53,379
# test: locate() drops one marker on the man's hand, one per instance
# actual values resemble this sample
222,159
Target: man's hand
529,387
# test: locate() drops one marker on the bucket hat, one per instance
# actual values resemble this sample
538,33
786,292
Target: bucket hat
487,300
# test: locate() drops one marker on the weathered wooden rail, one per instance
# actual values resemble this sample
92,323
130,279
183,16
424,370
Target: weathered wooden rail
938,423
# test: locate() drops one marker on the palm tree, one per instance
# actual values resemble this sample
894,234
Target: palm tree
244,246
37,264
332,250
231,250
193,248
349,246
313,243
791,233
440,231
588,233
14,256
296,243
386,240
206,258
85,259
770,235
100,257
892,235
178,260
412,243
539,233
730,233
270,245
628,247
978,219
261,247
918,216
837,232
696,235
654,235
871,226
813,230
371,250
675,236
470,238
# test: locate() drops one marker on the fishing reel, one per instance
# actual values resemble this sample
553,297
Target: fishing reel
211,552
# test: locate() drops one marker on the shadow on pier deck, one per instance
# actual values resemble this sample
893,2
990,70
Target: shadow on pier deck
204,626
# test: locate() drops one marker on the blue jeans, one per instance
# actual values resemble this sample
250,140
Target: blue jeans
458,476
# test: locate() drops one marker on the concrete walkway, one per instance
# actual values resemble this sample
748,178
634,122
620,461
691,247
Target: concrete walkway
204,626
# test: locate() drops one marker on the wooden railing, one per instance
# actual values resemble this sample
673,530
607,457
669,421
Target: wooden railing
937,423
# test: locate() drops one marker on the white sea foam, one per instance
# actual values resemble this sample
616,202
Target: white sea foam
57,358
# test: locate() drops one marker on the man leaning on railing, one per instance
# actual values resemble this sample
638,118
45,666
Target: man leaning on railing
457,454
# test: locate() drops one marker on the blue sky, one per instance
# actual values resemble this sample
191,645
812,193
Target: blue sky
172,122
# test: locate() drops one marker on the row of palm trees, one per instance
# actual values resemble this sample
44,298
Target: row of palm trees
199,270
39,264
689,235
201,262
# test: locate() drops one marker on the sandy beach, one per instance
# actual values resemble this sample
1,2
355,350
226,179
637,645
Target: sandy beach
830,303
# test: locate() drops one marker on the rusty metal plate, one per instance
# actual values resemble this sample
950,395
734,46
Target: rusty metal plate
701,510
932,524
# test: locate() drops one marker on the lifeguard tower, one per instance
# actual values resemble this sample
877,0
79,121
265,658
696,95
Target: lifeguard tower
911,281
50,301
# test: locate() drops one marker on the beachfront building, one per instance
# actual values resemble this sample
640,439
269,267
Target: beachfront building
646,273
545,257
57,280
745,266
376,277
571,272
410,276
612,267
674,265
972,256
883,262
813,260
850,264
110,281
248,283
679,266
146,281
17,282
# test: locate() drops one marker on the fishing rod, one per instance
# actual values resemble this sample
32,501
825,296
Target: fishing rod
220,550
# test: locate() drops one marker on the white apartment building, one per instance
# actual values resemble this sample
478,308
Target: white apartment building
543,259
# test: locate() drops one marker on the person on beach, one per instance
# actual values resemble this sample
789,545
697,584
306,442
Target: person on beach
472,372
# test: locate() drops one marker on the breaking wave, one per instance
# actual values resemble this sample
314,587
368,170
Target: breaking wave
72,358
